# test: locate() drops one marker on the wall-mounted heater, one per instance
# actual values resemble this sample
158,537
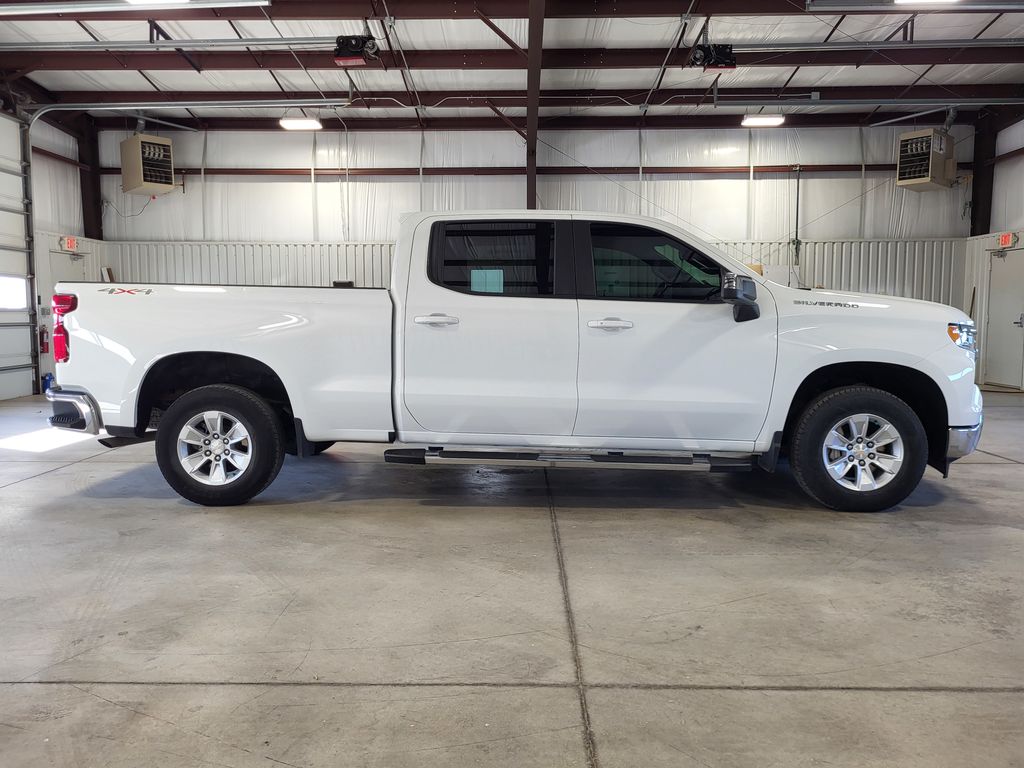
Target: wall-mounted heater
925,160
147,165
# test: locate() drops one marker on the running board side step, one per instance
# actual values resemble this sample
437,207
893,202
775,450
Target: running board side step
694,462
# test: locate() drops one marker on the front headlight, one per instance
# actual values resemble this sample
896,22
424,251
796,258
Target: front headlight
963,335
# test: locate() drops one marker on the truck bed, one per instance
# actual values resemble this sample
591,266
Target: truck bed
331,347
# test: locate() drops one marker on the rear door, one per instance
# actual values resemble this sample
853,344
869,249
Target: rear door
661,356
491,340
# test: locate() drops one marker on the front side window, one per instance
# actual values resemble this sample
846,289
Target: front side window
505,258
632,262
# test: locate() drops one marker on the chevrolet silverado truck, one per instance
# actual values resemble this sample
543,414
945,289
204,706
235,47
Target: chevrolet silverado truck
527,338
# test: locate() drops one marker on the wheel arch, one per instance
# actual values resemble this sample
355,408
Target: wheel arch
171,376
916,388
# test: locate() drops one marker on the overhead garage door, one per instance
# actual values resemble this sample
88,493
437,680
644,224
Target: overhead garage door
17,370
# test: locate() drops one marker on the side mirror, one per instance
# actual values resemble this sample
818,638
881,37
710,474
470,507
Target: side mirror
741,292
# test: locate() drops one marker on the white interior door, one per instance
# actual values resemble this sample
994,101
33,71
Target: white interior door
1004,352
16,369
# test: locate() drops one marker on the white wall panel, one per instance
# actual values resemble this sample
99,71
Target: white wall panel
830,206
56,196
895,212
1008,182
177,215
715,209
923,269
926,269
461,193
588,148
691,148
258,149
46,136
1010,138
471,148
374,149
805,145
56,186
366,264
726,207
1008,195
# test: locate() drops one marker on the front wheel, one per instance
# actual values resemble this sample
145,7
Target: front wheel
858,449
219,445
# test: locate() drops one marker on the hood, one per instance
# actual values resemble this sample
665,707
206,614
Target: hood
800,301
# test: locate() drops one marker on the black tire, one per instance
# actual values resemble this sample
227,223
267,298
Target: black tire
266,444
813,427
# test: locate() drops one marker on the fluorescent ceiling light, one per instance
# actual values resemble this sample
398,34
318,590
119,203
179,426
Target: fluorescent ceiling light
113,6
924,2
763,121
300,124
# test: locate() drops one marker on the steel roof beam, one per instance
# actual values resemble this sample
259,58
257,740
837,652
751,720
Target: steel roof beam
567,123
313,44
535,57
618,97
564,58
328,10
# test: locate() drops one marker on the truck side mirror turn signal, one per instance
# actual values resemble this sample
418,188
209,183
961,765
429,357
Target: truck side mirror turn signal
741,292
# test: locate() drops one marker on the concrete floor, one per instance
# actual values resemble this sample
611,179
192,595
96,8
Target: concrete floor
359,614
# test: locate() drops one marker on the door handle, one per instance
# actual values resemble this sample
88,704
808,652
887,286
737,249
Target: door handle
435,319
1019,322
610,324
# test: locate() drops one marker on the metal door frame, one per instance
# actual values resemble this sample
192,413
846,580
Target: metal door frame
992,255
25,173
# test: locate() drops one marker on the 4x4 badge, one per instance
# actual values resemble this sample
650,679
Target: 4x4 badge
129,291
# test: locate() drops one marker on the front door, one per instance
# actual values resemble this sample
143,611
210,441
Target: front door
490,328
660,354
1004,339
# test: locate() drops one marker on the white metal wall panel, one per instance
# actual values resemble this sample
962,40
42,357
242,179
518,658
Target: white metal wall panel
368,265
923,269
920,269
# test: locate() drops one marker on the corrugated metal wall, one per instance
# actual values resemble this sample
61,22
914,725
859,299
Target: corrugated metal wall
366,264
922,269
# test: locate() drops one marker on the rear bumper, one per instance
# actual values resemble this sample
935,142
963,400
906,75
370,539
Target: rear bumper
76,411
962,441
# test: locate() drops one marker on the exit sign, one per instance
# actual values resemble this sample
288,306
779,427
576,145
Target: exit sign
1007,239
69,243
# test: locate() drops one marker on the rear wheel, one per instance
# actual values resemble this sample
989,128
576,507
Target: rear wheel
859,449
219,445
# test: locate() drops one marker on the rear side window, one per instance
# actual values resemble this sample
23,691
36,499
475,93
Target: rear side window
503,258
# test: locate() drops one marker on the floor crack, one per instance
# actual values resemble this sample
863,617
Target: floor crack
589,743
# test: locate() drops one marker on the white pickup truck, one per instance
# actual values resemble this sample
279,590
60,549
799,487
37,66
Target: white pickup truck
537,338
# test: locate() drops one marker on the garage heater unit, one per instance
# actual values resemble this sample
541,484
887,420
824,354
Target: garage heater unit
926,160
147,165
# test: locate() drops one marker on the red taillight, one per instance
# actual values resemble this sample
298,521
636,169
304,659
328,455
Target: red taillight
60,342
62,304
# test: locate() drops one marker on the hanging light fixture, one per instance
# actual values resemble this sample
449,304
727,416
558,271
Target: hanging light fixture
300,124
113,6
763,121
